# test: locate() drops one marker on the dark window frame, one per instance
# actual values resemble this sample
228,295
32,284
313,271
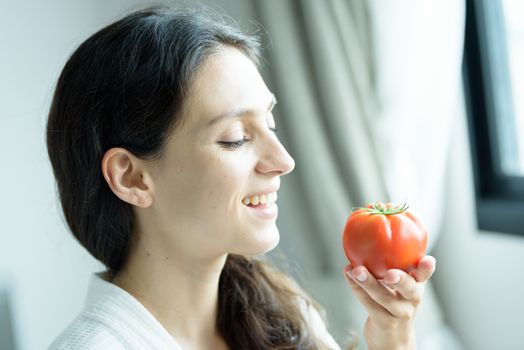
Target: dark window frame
499,197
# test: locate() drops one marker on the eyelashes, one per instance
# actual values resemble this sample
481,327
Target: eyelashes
234,144
240,143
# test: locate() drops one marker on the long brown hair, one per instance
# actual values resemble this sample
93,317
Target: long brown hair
123,87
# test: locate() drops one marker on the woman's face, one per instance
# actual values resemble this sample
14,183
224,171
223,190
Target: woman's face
202,184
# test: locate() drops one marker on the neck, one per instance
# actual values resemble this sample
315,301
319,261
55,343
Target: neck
180,292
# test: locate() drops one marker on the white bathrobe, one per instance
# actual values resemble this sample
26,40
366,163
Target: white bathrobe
113,319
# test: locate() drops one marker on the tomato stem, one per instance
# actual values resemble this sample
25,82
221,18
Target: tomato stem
379,208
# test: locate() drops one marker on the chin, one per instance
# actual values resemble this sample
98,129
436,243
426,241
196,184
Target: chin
263,242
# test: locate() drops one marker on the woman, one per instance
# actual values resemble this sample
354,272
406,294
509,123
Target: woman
163,146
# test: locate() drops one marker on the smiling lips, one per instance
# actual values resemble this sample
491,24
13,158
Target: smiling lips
255,200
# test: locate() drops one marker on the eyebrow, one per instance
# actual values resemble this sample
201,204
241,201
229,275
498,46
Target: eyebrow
242,112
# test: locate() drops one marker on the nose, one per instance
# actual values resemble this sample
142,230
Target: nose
274,157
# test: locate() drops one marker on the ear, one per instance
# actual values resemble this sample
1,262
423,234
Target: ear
127,177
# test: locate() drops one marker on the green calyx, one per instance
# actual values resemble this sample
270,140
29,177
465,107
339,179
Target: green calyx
378,208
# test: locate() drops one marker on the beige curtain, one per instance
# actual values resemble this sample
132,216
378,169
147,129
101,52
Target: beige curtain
326,99
367,92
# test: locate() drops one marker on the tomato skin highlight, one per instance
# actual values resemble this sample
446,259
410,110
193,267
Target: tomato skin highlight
384,236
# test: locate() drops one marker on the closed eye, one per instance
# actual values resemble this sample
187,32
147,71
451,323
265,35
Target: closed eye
233,144
239,143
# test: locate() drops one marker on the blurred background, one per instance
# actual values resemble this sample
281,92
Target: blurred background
378,100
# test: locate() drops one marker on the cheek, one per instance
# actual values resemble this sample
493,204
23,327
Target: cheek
206,189
224,183
210,182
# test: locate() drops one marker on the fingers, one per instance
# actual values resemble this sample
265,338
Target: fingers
426,267
397,293
411,286
404,284
371,305
374,295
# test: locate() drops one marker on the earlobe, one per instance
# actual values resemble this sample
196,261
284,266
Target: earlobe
124,173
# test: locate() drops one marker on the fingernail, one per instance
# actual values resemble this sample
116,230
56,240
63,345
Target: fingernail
361,277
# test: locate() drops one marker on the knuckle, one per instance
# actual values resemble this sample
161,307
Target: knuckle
416,300
410,295
404,315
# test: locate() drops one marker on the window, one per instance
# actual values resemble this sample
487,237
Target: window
494,90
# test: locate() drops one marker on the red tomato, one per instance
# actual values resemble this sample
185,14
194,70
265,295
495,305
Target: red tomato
384,236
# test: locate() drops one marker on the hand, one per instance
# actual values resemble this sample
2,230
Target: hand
391,303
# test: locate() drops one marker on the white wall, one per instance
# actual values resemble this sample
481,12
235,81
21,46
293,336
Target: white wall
43,270
479,276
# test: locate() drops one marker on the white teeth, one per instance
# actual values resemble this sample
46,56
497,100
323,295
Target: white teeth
260,199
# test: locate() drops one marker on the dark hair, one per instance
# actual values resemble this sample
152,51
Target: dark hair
124,87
